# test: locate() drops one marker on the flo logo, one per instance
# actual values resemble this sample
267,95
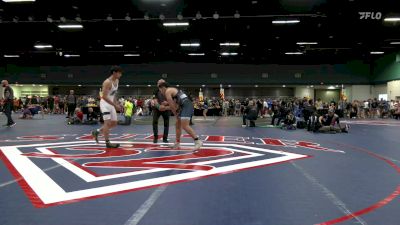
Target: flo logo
370,15
89,171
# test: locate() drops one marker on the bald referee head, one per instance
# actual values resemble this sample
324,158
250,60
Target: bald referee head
160,81
4,83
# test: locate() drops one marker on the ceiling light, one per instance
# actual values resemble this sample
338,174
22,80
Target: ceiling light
79,85
196,54
229,85
236,15
331,87
49,19
190,44
127,17
39,46
127,85
131,55
376,53
78,18
149,85
30,18
11,56
256,85
285,21
216,15
109,17
395,43
162,17
146,16
176,24
69,55
177,85
307,43
392,19
70,26
283,85
293,53
203,85
113,46
198,15
19,0
312,86
229,44
180,17
229,53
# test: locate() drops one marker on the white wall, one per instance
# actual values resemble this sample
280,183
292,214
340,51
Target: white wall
301,92
21,91
361,92
393,90
379,89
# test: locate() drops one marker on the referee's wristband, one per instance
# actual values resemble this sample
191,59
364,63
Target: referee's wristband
157,105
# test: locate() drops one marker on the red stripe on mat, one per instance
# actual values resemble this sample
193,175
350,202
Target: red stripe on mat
33,197
375,206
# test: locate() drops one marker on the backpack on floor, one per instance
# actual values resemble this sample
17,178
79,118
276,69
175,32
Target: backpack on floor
301,124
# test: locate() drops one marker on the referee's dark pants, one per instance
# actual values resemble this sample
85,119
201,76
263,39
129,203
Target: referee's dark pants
71,109
156,116
7,111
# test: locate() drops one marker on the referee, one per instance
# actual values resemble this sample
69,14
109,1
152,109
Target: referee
157,113
8,102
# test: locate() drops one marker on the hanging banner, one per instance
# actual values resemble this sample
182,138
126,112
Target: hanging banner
201,99
222,93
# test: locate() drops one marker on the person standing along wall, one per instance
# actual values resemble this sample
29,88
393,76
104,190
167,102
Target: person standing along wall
8,102
71,103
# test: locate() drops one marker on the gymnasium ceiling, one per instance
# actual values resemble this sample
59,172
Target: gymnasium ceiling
135,26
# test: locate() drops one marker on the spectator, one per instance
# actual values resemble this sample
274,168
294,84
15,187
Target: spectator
8,102
250,114
77,118
61,105
330,123
128,111
26,113
396,113
275,110
91,117
290,122
71,103
205,110
283,111
237,108
225,108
